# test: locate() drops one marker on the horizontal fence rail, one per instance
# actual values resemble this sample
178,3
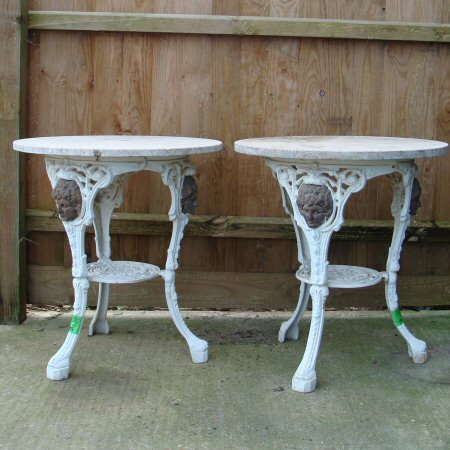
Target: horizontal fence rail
238,25
231,76
52,285
243,227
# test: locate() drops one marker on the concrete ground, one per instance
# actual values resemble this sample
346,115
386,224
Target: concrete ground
137,389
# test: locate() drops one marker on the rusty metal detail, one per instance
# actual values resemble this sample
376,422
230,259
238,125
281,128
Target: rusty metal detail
189,195
68,199
315,204
415,203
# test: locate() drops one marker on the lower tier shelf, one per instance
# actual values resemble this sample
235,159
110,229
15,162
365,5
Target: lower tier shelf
345,276
118,272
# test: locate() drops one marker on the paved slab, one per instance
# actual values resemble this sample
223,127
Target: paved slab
137,388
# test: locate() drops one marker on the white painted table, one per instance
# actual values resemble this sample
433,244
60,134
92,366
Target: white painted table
317,175
88,175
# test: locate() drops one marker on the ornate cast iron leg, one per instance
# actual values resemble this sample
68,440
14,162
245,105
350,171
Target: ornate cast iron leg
405,202
59,365
179,177
318,238
107,200
305,377
290,328
317,196
74,189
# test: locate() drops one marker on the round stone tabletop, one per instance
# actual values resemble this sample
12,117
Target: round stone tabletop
356,148
117,146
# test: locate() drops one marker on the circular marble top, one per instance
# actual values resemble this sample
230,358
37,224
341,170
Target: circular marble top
361,148
117,146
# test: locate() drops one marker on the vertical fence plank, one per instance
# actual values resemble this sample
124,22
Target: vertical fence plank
366,114
253,101
416,101
442,203
12,184
233,87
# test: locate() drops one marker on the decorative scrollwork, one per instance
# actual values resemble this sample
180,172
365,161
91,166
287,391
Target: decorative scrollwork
87,175
107,271
319,192
344,276
402,185
173,175
113,194
317,195
89,179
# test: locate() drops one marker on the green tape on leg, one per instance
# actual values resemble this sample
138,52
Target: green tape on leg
75,325
397,317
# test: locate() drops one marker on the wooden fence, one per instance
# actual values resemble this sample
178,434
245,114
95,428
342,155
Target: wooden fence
229,70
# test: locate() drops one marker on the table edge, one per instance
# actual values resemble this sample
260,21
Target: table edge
306,155
215,146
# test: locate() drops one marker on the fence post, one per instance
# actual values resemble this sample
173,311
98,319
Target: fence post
13,20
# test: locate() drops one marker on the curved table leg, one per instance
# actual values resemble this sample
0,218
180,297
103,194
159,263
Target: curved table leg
401,206
178,176
198,347
75,187
313,242
305,377
290,328
58,367
315,197
107,200
99,324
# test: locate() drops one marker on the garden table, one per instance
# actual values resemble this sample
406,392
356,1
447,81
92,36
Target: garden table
317,175
88,175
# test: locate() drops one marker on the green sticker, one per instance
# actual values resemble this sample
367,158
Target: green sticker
397,317
75,325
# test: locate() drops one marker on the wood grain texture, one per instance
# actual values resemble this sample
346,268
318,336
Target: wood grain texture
442,204
366,116
232,87
12,126
229,290
416,91
411,10
401,10
241,25
252,175
281,112
65,77
245,227
260,255
410,105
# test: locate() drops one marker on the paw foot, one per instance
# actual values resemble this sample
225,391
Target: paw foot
58,371
420,358
199,352
288,331
99,327
304,383
418,352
